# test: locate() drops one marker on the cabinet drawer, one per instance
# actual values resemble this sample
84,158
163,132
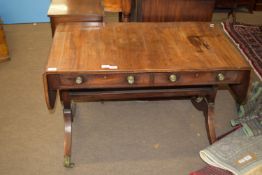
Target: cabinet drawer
195,78
105,80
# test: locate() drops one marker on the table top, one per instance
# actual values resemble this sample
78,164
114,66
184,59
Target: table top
75,7
142,47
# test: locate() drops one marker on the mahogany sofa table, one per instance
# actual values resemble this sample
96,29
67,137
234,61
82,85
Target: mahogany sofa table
64,11
129,61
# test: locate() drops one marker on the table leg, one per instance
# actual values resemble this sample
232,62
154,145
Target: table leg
240,90
68,119
53,25
68,138
206,104
210,127
126,9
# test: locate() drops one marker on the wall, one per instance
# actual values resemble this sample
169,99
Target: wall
24,11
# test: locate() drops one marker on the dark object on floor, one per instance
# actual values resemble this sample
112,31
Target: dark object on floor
211,170
248,38
4,55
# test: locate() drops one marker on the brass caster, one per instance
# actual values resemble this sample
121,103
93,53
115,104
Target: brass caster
198,99
68,163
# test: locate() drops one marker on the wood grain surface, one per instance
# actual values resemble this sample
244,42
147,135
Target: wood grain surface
75,7
142,47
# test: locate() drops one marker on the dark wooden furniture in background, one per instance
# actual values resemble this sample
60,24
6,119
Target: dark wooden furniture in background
232,5
4,55
173,10
258,5
61,11
249,4
128,61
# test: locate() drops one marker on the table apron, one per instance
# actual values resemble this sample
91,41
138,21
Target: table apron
120,80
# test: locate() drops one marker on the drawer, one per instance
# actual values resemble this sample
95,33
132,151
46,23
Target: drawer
125,80
196,78
105,80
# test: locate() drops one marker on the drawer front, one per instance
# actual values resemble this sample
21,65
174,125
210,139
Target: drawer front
199,78
105,80
123,80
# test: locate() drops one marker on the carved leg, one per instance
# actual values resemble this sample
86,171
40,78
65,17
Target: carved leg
240,90
73,108
210,127
206,104
68,119
68,138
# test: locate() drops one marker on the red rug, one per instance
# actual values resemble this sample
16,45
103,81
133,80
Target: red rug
211,170
248,38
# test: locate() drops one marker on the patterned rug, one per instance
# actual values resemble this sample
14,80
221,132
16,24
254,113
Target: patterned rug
211,170
248,38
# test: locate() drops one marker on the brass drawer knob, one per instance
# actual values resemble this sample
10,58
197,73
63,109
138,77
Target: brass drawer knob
130,79
79,80
173,78
221,77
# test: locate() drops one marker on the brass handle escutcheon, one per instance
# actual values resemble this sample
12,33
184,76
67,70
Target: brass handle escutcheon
173,78
130,79
220,77
79,80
